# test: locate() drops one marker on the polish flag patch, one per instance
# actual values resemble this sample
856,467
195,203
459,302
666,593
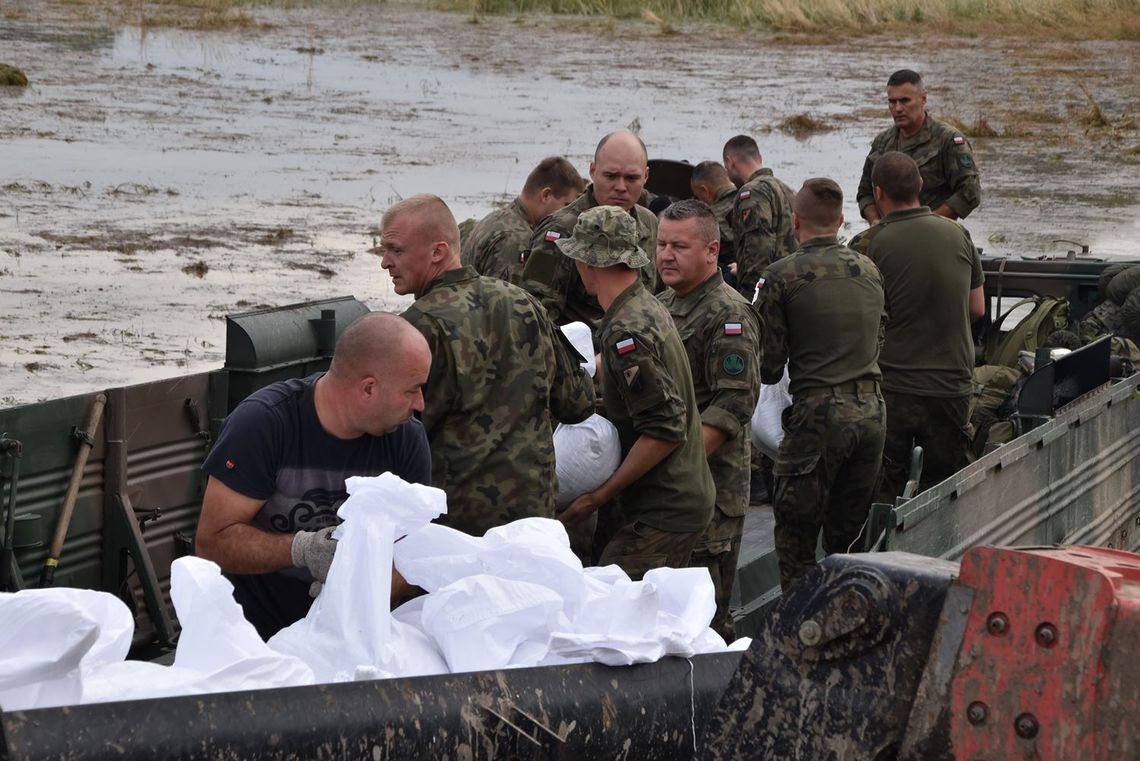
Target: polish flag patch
552,236
959,140
745,195
625,346
733,328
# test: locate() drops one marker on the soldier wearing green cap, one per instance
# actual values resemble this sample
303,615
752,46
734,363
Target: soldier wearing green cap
663,487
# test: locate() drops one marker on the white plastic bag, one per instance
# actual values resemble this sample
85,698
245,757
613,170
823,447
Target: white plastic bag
586,454
582,339
50,637
349,630
767,426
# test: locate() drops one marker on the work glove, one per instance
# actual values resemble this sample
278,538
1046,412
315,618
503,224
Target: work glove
314,550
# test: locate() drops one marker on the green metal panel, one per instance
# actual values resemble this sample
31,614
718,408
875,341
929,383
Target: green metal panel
1073,480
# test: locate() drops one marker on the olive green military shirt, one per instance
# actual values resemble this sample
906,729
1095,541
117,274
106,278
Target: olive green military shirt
929,266
822,309
496,246
501,375
945,161
761,227
648,390
722,207
551,275
721,334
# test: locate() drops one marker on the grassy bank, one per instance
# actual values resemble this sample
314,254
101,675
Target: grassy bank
1061,19
1068,19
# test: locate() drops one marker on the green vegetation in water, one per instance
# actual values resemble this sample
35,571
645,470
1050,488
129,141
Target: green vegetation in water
1068,19
802,126
10,76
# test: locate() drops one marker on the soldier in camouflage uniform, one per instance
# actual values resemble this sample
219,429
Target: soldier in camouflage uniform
710,184
950,184
496,246
617,174
663,486
761,213
822,310
721,333
501,374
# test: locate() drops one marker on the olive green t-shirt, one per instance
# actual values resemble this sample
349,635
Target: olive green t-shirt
822,309
648,389
929,266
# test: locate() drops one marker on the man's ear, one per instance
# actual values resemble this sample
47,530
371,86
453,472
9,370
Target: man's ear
877,192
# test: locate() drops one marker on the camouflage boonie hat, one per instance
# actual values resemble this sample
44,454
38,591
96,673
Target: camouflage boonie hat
605,236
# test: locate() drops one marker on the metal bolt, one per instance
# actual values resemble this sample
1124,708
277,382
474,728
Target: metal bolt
1026,726
997,624
1046,635
976,713
810,633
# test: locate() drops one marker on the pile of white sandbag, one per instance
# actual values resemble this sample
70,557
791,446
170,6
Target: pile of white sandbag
515,597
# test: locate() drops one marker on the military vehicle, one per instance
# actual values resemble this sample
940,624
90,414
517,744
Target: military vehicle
934,645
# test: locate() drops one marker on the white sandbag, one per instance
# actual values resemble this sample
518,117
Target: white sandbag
586,454
767,425
217,641
349,630
50,636
582,339
479,622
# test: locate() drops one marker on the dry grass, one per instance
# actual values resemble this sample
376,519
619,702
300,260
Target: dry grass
1061,19
802,126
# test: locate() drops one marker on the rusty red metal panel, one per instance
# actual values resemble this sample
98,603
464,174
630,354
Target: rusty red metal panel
1048,667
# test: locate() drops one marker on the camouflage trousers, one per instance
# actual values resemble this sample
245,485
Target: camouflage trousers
940,425
718,550
826,472
638,547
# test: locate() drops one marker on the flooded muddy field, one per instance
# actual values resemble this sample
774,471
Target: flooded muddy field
153,181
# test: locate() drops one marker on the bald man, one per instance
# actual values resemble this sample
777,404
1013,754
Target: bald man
617,178
501,375
276,473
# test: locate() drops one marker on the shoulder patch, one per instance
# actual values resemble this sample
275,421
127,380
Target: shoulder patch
733,328
733,364
551,236
966,161
959,140
745,195
625,346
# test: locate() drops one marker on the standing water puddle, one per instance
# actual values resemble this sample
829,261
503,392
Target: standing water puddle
154,181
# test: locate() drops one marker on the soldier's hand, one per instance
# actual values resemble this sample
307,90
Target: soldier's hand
579,510
314,550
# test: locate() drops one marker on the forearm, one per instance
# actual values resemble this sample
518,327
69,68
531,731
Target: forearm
241,548
645,453
713,438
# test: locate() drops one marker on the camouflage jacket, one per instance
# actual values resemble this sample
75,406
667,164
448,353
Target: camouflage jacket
553,278
823,314
722,207
497,245
648,390
501,375
761,227
721,333
945,160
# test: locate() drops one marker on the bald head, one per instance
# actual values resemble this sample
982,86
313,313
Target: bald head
818,208
621,140
619,170
371,342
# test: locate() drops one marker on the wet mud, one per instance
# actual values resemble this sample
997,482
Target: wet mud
154,180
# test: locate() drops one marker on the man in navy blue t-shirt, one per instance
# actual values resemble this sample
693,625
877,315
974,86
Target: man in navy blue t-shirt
277,470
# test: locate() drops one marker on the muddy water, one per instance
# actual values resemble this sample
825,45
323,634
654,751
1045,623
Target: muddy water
151,182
